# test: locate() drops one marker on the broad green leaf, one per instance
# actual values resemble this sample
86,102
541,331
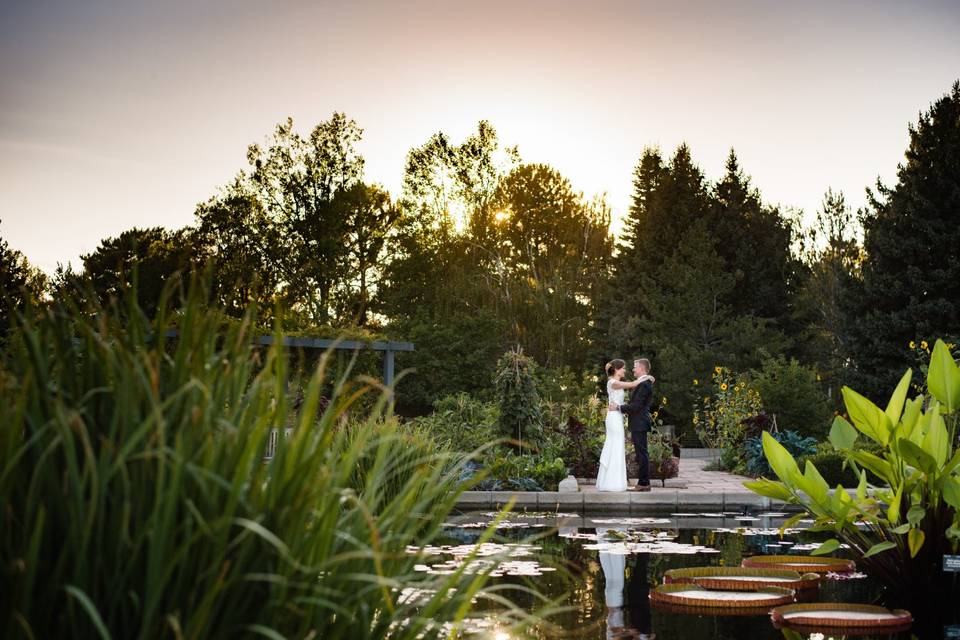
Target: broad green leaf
781,461
951,491
815,486
902,529
893,509
880,547
953,533
916,456
895,406
910,417
879,466
792,520
770,489
862,486
829,546
943,377
936,441
842,434
915,541
915,514
866,416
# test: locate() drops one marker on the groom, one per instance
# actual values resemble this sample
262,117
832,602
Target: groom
639,421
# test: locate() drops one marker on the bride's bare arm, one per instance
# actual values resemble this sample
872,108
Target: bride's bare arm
620,384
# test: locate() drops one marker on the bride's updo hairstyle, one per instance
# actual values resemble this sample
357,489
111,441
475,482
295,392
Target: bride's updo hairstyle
613,366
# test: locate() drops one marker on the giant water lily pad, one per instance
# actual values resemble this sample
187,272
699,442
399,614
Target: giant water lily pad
742,578
818,616
686,594
809,564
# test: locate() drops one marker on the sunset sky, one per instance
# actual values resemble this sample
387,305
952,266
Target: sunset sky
119,114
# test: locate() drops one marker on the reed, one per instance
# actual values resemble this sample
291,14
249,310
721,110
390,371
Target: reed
136,502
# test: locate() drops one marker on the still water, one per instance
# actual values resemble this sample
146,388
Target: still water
603,567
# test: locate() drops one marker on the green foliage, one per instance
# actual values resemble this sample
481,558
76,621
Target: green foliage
141,260
718,419
911,273
796,444
916,505
519,402
524,473
834,467
21,286
455,353
705,276
833,256
461,423
791,392
575,432
137,502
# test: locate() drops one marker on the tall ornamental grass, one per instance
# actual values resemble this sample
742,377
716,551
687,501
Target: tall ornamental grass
136,503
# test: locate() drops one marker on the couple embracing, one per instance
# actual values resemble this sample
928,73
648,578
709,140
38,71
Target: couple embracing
613,465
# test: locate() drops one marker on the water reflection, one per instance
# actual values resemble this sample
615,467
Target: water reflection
636,623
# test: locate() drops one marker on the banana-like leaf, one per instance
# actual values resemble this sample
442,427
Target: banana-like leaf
893,509
915,541
867,417
951,491
880,547
895,406
917,457
782,462
880,467
769,489
842,434
943,377
829,546
937,441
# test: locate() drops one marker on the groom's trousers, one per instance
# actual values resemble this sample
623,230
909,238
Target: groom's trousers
643,456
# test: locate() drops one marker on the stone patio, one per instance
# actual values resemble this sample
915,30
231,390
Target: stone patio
694,488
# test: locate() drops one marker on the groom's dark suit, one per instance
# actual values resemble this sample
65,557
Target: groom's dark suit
639,422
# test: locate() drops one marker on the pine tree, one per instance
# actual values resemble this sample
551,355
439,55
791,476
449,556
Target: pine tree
755,246
911,275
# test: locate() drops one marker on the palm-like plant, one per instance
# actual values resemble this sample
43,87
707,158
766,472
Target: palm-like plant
900,531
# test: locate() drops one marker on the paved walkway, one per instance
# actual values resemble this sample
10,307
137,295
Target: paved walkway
694,489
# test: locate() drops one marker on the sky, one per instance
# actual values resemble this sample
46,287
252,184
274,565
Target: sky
121,114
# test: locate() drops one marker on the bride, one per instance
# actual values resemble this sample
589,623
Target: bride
613,461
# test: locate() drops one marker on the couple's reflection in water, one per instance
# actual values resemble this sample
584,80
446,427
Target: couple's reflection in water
627,599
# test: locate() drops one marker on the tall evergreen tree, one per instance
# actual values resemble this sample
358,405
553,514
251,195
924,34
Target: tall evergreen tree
911,274
755,246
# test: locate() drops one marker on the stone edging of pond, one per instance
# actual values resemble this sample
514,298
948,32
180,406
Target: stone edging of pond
666,500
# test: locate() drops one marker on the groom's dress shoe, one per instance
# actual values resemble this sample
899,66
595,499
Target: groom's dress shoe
642,487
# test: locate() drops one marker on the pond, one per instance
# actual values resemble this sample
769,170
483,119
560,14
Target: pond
602,568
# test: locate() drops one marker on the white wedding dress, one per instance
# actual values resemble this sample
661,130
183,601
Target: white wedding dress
613,459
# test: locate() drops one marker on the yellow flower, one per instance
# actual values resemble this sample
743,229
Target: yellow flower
913,345
723,386
717,369
695,382
923,345
663,400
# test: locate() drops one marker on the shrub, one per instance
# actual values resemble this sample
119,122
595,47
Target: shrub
460,423
523,473
517,397
136,502
756,462
575,432
792,393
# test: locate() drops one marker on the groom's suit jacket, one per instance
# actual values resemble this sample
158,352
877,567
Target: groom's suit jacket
638,409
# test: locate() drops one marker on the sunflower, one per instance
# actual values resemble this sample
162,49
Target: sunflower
717,370
695,382
913,345
923,345
723,386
